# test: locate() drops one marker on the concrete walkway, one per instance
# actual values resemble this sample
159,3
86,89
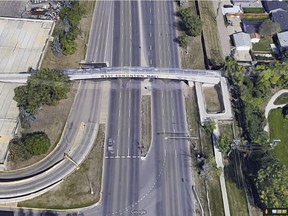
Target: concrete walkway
219,163
271,106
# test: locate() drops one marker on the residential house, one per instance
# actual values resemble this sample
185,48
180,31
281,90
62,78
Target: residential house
251,26
242,47
271,6
230,9
242,41
282,40
248,3
281,17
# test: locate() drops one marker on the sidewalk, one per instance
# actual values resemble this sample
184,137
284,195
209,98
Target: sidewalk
271,105
219,163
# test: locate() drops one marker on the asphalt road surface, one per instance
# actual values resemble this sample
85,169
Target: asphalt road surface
134,33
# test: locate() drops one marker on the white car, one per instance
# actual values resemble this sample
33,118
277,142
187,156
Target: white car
110,145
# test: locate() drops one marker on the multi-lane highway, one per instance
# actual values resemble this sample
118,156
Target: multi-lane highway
138,33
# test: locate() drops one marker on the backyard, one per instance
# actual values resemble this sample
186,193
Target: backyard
263,45
278,126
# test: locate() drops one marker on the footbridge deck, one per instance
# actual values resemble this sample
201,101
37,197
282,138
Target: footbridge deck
205,76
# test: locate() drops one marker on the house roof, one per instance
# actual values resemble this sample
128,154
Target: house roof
281,17
248,3
242,39
233,9
251,26
274,5
283,38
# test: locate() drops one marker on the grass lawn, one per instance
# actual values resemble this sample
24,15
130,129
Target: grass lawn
212,99
210,32
226,128
278,127
262,45
191,112
236,194
261,17
215,198
253,10
74,191
282,99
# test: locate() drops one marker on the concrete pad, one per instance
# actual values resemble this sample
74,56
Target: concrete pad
22,43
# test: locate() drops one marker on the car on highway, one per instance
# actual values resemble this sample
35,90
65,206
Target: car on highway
110,145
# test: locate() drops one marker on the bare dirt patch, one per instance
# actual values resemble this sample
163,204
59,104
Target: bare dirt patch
72,61
212,99
51,120
75,190
145,124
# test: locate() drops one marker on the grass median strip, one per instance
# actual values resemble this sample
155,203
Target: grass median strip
75,190
146,124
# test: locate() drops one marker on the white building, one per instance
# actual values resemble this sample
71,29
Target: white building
283,40
242,41
242,47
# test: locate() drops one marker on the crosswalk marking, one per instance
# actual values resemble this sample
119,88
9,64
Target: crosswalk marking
122,157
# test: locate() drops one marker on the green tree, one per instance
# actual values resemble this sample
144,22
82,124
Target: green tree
272,185
193,25
235,72
185,12
44,87
68,45
224,144
17,151
36,143
183,41
209,169
269,28
210,126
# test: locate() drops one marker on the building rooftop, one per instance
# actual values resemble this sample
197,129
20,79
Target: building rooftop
283,39
242,39
274,5
281,17
12,8
251,26
22,42
248,3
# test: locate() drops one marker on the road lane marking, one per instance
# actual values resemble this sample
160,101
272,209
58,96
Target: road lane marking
150,10
150,22
150,34
123,157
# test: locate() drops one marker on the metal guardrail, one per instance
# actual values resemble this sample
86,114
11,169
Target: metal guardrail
141,70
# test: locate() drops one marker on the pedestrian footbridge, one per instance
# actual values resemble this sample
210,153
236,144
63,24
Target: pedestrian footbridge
204,76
